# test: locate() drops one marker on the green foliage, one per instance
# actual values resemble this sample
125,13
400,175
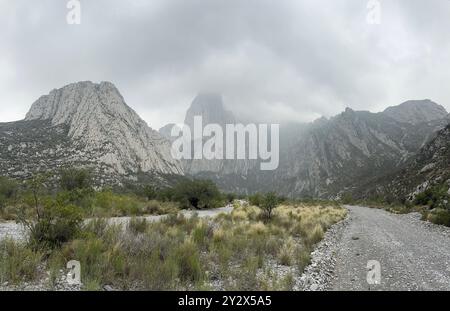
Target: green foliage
56,225
149,192
434,197
230,197
73,178
255,199
137,225
188,259
347,198
8,190
439,216
199,194
36,187
17,262
268,203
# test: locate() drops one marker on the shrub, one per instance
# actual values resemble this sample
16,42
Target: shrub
188,259
56,225
287,252
17,262
255,199
80,197
199,194
268,204
434,197
8,190
230,197
73,178
347,198
102,261
137,225
303,258
315,235
440,217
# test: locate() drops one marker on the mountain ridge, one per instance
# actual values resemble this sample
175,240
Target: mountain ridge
103,129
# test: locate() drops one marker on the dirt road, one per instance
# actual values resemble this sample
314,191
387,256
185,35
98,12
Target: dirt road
412,254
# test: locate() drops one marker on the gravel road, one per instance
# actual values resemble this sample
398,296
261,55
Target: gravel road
413,254
15,231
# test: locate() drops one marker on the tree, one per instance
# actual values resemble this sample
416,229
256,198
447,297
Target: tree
268,203
230,197
73,178
199,194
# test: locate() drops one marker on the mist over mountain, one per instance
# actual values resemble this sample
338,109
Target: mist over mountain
89,124
328,157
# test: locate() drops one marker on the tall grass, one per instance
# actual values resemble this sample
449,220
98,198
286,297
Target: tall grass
238,251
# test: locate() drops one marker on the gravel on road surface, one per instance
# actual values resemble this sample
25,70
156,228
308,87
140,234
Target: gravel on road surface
413,254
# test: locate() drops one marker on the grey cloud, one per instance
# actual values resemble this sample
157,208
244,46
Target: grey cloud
287,60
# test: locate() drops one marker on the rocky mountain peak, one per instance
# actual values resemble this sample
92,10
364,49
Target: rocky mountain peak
210,106
416,111
98,118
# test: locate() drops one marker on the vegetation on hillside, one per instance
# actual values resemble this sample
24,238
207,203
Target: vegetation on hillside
433,204
74,190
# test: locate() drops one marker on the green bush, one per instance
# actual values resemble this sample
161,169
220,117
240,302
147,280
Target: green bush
199,194
137,225
73,178
440,217
434,197
268,203
17,262
230,197
56,225
255,199
8,190
188,259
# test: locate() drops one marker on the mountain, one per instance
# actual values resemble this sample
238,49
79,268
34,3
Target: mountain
429,167
85,124
329,157
416,111
211,108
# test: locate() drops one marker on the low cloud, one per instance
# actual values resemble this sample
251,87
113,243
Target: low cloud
283,60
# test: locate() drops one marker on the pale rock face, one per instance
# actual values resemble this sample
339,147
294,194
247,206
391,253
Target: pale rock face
99,119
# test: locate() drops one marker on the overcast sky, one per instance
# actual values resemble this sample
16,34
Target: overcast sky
271,59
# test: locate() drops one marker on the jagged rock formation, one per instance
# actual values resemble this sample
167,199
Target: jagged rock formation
85,124
327,158
429,167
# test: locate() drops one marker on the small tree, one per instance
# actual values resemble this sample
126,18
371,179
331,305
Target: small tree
268,203
199,194
230,197
36,185
73,178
